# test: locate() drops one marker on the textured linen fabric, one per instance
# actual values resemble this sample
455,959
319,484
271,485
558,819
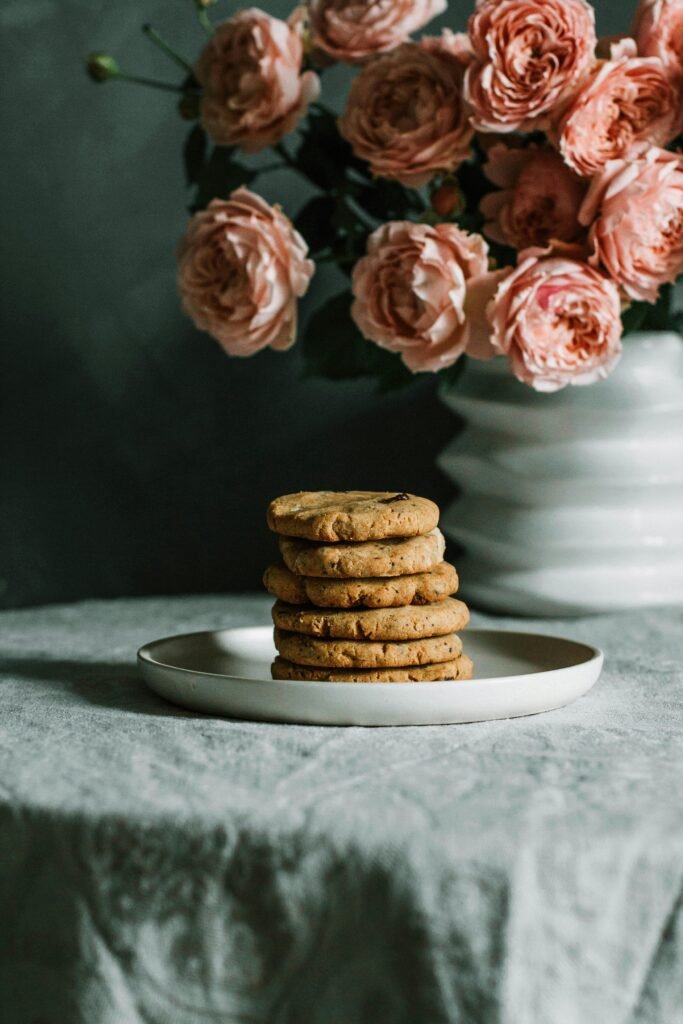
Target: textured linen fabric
164,867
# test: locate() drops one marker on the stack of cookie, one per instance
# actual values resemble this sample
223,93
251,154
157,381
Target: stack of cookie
363,592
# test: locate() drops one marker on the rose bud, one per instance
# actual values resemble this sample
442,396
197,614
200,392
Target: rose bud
447,200
101,66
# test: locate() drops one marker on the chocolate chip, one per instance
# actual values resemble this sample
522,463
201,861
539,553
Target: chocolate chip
397,497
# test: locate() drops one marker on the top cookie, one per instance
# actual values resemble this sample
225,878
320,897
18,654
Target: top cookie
352,515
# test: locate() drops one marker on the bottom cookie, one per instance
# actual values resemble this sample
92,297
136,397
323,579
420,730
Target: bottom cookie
458,668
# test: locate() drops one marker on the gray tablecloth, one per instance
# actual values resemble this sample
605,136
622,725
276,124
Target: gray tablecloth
162,867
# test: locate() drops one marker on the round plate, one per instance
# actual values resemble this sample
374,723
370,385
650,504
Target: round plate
228,673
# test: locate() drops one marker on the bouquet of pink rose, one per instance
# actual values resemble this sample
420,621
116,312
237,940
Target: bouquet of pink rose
514,190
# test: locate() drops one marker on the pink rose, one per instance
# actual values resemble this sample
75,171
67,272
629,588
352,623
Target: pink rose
627,102
253,89
636,211
540,199
658,30
421,292
241,268
530,57
353,30
405,113
557,320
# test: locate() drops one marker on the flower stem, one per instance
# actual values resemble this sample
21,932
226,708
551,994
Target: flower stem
151,83
205,22
323,109
270,167
359,213
289,160
160,42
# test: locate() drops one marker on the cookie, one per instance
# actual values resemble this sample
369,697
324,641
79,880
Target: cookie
309,650
392,557
459,668
374,592
351,515
407,623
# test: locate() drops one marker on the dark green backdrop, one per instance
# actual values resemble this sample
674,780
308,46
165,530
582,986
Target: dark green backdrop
136,458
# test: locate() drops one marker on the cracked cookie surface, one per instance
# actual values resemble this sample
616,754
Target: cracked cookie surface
392,557
411,622
333,516
308,650
371,592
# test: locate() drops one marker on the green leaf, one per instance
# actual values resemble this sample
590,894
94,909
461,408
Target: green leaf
319,166
659,314
387,200
470,220
388,369
315,222
652,316
452,374
332,344
323,155
473,182
194,153
677,322
334,348
632,318
504,255
220,175
474,185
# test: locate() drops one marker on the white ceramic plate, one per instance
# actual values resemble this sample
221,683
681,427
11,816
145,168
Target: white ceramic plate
228,673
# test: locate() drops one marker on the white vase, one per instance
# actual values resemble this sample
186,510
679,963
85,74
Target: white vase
571,502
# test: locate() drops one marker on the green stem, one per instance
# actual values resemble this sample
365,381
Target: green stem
291,163
323,109
205,22
289,160
160,42
270,167
359,213
151,83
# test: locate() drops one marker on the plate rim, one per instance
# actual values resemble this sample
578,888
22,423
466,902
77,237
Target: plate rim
595,654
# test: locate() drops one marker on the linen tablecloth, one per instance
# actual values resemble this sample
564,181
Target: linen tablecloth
164,867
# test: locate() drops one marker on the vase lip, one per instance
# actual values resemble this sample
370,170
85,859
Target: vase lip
654,337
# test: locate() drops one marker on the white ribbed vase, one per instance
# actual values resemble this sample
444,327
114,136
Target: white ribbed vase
571,502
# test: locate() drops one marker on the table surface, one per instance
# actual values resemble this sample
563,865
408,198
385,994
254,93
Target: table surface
162,866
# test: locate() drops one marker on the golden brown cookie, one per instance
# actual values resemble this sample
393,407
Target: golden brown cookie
459,668
392,557
411,622
373,592
352,515
309,650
